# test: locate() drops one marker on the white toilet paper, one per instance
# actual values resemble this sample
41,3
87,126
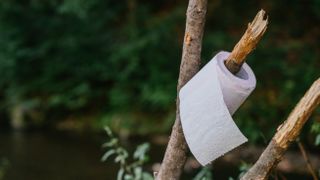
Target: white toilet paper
207,102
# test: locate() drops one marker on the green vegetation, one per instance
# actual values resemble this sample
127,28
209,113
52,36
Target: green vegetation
107,62
204,174
315,128
82,65
135,169
127,171
4,164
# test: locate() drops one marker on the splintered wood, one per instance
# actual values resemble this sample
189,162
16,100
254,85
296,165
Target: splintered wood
285,135
176,152
248,42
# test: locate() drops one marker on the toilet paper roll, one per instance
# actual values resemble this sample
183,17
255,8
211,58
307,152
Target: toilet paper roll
207,103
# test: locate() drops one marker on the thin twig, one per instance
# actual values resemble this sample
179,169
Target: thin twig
248,42
306,158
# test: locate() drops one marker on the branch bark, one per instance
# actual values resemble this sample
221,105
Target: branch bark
286,133
175,155
248,42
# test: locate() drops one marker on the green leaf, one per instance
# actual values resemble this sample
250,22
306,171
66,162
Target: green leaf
147,176
204,174
140,152
120,174
122,151
111,143
128,177
317,141
108,131
315,128
138,172
108,154
244,167
121,158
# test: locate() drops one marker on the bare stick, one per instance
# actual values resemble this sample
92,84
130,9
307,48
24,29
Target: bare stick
306,158
286,133
248,42
176,153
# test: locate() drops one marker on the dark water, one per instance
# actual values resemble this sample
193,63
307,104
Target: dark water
43,155
63,156
53,156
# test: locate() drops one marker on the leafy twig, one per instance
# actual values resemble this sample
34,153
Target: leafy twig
127,171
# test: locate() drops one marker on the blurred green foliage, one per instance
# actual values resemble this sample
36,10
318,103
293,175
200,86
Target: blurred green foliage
4,165
119,60
315,128
204,174
127,170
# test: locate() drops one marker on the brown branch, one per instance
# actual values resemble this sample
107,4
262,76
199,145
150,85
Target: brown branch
248,42
286,133
307,160
176,152
175,155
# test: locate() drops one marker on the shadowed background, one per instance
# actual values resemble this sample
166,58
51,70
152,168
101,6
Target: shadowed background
74,66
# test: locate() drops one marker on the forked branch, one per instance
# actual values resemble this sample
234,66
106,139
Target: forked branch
175,155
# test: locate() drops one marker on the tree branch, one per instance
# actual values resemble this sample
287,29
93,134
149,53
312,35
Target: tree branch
286,133
248,42
175,155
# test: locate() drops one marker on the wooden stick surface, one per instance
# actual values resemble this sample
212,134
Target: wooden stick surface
286,133
176,152
248,42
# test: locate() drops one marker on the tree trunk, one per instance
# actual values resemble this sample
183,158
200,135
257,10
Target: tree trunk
175,155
